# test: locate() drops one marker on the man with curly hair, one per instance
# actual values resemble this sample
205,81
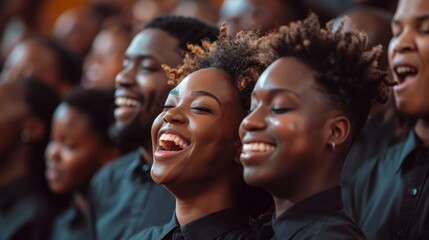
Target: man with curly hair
306,110
388,196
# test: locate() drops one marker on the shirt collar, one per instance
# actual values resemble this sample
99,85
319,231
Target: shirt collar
306,211
73,216
210,226
407,148
138,167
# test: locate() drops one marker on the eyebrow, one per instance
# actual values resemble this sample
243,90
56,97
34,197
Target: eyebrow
207,94
279,90
419,18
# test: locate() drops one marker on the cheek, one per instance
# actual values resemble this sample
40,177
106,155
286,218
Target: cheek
157,123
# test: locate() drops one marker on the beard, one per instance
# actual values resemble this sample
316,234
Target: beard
131,136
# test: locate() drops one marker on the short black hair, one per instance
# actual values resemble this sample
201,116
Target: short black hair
346,65
238,56
98,105
186,30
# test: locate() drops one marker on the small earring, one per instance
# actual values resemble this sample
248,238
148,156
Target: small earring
331,145
25,137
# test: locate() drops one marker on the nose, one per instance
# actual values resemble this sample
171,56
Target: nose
255,121
404,41
127,77
52,153
174,116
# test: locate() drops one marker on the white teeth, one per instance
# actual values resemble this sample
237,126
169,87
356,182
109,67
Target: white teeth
257,147
405,70
126,102
172,138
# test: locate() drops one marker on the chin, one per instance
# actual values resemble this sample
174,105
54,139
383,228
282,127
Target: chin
253,177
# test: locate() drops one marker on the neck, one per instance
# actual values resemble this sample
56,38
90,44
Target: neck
422,131
203,203
81,201
311,184
16,166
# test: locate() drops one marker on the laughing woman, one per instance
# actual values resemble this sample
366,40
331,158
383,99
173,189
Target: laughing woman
307,108
196,143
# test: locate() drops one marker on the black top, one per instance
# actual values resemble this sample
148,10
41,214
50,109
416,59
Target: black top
226,224
71,224
124,199
389,195
24,213
320,216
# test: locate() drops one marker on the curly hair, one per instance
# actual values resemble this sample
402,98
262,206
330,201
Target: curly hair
346,65
238,56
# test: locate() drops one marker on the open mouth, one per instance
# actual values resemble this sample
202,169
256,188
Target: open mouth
126,102
404,72
257,147
172,142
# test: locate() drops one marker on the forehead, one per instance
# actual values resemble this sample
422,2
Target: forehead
155,43
411,9
287,73
71,117
211,80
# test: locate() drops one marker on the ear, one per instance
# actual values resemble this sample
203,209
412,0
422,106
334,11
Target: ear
34,128
339,129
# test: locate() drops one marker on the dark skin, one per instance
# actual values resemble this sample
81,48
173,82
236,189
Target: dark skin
285,137
15,119
203,101
248,14
410,47
143,77
32,59
74,154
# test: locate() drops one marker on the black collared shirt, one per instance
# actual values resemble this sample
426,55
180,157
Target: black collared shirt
124,199
23,210
389,195
321,216
228,224
71,224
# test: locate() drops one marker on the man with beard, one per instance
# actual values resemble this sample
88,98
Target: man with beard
123,197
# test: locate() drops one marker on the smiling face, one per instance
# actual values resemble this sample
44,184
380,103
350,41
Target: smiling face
74,152
284,137
143,78
195,139
104,61
409,57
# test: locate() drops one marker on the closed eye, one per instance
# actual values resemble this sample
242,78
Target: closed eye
202,109
165,107
281,110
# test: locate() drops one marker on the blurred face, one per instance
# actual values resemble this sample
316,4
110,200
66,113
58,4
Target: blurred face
31,59
409,57
195,138
141,86
105,60
284,137
72,156
248,14
13,112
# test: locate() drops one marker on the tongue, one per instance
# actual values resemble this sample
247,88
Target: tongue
170,146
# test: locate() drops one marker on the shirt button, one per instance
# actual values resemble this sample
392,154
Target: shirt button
145,168
414,192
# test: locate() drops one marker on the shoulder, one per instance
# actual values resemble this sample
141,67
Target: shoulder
116,170
152,233
339,225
